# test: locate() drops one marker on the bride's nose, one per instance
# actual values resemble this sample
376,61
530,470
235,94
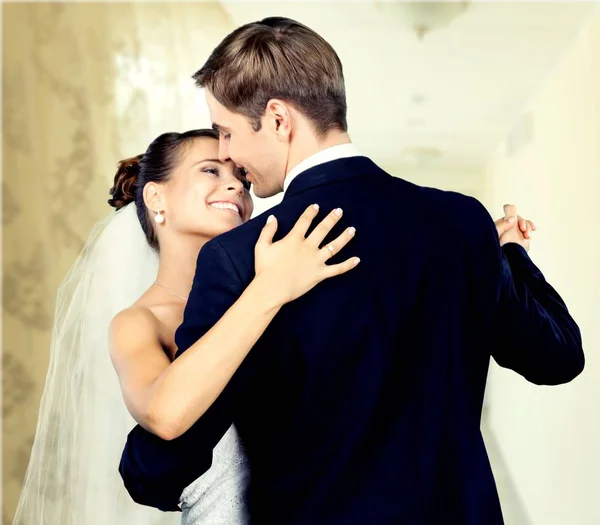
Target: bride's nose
236,186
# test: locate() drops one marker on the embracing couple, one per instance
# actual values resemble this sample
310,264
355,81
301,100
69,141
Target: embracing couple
323,363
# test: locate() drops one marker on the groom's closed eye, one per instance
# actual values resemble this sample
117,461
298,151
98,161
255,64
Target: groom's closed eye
225,134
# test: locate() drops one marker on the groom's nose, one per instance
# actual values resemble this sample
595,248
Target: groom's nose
223,151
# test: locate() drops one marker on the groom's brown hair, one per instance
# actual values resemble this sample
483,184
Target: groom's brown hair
277,58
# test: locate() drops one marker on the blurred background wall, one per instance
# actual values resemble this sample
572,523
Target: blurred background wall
496,100
549,436
84,85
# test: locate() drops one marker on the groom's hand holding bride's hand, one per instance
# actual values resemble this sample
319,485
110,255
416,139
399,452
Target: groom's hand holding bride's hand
293,265
514,228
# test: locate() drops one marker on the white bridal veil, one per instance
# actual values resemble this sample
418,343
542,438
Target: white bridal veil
73,478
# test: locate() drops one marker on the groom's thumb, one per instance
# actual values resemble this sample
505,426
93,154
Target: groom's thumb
505,224
268,231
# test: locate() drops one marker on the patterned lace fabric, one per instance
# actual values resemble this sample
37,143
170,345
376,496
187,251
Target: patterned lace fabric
218,496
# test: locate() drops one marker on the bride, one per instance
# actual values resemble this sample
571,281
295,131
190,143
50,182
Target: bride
136,270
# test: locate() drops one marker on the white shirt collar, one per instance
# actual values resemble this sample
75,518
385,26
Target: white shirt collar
333,153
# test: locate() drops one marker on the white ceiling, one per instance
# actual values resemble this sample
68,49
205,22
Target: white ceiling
459,91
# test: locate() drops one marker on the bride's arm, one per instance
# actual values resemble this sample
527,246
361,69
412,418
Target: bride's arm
168,398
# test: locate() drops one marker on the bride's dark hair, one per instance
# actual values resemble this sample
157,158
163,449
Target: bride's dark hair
156,165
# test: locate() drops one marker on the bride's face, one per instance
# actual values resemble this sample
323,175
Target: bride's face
204,196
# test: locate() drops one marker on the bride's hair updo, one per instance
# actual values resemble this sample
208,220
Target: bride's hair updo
156,165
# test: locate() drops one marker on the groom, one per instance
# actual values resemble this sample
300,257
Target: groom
362,401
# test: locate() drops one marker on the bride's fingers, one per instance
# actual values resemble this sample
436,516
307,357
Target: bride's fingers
530,229
303,223
268,232
330,249
331,270
324,227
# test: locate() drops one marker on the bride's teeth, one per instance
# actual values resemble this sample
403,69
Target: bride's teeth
225,206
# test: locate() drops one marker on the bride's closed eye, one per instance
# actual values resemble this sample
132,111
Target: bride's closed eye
240,174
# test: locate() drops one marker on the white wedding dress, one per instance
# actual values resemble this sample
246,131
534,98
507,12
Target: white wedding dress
72,477
218,497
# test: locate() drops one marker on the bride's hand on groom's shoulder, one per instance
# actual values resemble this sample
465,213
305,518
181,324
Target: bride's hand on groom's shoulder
514,228
293,265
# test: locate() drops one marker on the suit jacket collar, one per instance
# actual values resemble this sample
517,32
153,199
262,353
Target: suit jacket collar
333,171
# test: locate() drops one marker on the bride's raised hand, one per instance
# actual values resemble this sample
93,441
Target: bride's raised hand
293,265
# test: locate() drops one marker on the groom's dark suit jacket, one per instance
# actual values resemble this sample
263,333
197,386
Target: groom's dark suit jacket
361,403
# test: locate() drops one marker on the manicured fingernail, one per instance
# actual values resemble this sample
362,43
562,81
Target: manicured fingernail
356,261
316,207
351,231
511,219
338,212
270,219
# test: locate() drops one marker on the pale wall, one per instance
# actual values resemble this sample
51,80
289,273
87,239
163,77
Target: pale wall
550,437
84,85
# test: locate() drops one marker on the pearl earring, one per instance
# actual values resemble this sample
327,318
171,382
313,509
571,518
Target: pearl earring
158,218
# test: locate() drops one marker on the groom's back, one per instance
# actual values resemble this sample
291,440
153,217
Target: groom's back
367,400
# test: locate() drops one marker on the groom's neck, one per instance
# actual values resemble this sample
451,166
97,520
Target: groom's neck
309,144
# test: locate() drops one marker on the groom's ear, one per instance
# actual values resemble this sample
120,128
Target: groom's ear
278,117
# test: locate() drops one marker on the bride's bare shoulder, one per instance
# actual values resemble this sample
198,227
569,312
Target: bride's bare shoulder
132,327
135,316
149,312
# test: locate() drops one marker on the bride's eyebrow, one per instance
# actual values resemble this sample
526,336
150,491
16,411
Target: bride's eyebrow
217,161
